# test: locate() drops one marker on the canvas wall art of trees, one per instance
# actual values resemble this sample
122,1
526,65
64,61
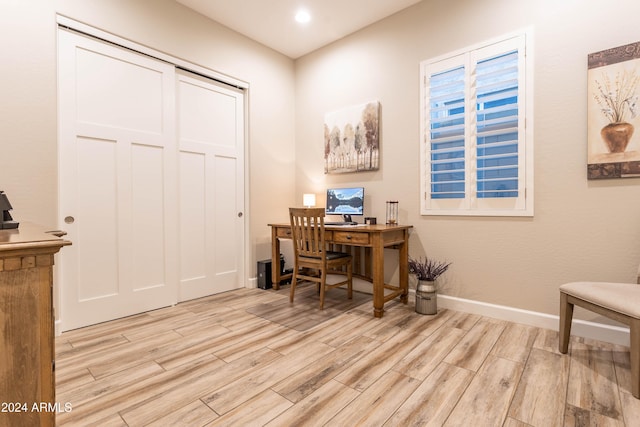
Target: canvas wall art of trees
352,139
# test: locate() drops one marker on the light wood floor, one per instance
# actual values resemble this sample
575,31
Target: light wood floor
248,358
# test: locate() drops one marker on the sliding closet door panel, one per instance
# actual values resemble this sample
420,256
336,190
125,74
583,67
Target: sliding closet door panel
97,164
147,213
225,255
118,92
211,147
193,238
118,181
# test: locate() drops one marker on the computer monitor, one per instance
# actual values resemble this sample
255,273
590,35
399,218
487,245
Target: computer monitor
345,202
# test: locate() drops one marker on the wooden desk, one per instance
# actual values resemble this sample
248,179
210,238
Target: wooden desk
368,239
26,325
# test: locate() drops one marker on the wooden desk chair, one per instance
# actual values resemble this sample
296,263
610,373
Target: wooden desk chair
617,301
309,248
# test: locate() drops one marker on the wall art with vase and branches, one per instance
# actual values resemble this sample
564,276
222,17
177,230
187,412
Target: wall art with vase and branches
613,111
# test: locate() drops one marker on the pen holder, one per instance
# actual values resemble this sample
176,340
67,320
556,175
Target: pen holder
392,213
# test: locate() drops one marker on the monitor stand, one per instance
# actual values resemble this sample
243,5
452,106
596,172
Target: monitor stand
347,220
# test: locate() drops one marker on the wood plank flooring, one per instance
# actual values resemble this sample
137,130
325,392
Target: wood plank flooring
249,358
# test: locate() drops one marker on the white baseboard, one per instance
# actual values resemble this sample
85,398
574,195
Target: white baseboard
253,282
597,331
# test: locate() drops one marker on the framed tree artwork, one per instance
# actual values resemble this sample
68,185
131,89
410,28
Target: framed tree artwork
613,113
352,139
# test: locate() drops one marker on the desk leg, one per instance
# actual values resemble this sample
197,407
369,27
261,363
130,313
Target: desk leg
275,259
378,275
403,260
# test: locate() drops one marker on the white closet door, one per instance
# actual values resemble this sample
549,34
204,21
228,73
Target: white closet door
211,169
118,181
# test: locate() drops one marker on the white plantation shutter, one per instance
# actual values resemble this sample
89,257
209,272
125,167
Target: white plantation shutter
497,126
447,137
477,154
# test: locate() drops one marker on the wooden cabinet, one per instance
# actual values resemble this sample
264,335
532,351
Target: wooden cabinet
27,381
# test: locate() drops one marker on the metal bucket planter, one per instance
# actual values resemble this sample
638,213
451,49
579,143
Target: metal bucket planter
426,298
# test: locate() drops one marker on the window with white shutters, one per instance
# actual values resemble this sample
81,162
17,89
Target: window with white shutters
477,144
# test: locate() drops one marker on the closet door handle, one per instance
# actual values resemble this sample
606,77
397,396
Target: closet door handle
239,214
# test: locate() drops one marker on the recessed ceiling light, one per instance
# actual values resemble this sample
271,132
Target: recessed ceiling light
303,17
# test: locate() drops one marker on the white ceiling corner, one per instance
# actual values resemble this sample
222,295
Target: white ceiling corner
271,22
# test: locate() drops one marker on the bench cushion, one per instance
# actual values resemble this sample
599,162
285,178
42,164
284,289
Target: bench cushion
620,297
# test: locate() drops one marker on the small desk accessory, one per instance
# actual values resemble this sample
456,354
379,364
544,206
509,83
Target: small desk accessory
7,222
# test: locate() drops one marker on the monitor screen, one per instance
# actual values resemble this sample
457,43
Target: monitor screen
345,201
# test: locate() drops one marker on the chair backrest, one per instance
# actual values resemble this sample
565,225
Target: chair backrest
307,232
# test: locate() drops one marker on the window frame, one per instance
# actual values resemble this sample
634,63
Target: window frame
470,205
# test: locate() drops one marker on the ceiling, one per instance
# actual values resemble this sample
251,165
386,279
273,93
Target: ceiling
271,22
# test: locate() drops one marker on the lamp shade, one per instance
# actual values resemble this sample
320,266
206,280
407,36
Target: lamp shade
309,200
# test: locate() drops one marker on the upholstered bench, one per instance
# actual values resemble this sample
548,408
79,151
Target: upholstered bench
617,301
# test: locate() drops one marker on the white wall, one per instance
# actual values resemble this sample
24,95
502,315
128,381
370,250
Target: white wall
582,230
28,107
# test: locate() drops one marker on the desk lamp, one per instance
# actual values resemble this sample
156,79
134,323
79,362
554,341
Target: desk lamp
308,200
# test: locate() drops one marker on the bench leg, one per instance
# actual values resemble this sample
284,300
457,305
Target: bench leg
566,316
635,357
